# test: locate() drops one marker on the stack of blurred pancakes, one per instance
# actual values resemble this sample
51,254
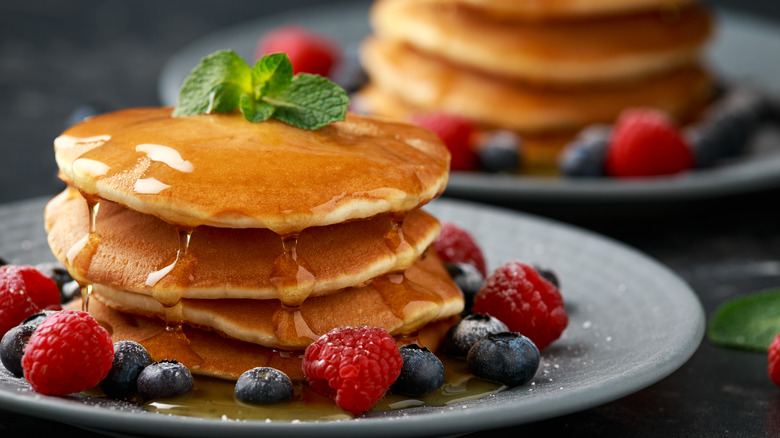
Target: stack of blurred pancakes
226,244
542,68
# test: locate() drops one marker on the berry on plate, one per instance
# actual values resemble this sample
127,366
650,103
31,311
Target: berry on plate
12,347
130,358
24,291
499,151
164,379
69,352
353,365
468,278
456,133
263,385
470,330
584,156
456,245
645,142
509,358
526,302
422,372
309,52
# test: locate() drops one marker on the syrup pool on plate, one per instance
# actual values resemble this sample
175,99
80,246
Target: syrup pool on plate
213,398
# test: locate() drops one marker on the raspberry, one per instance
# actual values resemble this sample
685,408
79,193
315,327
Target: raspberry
456,245
69,352
353,365
24,291
456,133
523,300
309,52
645,142
774,360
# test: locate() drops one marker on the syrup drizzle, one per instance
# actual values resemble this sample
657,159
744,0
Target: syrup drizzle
395,238
82,252
173,337
295,283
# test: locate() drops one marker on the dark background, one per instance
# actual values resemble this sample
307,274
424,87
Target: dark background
57,56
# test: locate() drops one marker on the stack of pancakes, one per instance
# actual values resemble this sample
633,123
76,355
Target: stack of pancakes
542,68
226,244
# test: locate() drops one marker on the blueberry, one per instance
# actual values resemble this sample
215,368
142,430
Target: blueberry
508,358
727,126
468,331
164,379
499,151
3,261
58,273
421,373
130,358
468,278
584,156
12,347
263,385
548,275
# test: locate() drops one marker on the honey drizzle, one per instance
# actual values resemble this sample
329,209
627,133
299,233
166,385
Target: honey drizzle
173,337
86,248
395,238
294,282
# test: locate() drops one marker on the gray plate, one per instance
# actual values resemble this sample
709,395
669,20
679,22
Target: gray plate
745,49
632,323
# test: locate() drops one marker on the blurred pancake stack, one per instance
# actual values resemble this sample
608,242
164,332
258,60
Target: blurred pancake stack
544,69
227,245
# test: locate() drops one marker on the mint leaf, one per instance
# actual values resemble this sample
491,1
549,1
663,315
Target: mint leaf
748,322
255,111
214,85
223,82
311,102
271,75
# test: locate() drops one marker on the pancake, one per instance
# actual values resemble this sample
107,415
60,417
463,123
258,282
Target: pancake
539,151
603,49
559,9
133,251
399,303
220,170
217,356
425,84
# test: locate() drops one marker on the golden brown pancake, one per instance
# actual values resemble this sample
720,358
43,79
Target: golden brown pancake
210,354
603,49
221,170
138,252
399,303
557,9
405,78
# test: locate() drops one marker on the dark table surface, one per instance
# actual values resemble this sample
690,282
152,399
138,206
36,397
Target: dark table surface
57,56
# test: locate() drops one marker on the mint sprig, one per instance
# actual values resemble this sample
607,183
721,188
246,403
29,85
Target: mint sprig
223,81
748,322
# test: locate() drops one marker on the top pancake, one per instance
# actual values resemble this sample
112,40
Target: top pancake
223,171
557,9
600,49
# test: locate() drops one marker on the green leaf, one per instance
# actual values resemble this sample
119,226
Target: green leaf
214,85
310,102
223,82
271,75
255,111
748,322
